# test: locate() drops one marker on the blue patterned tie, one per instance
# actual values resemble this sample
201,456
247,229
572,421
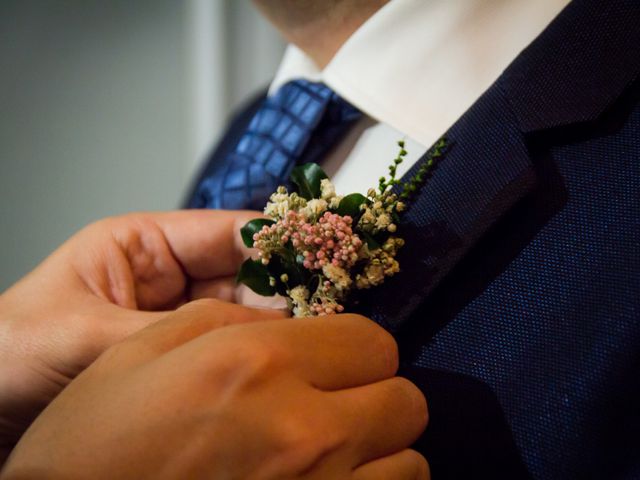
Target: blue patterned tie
298,124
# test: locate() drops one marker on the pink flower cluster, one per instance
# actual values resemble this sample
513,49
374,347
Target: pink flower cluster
326,305
330,240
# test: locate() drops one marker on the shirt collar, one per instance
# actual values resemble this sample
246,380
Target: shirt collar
418,65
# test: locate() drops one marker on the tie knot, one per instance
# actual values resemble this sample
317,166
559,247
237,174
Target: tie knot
297,124
312,102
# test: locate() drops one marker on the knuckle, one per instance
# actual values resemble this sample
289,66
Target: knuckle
389,348
384,342
417,407
419,465
259,362
293,434
302,442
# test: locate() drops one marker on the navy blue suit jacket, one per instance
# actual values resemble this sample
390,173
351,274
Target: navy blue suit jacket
518,307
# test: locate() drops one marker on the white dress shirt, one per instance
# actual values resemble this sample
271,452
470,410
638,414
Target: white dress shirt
413,69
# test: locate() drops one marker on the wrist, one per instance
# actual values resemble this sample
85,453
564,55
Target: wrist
20,402
8,438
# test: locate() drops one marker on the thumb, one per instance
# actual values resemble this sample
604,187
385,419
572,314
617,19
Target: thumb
164,331
202,316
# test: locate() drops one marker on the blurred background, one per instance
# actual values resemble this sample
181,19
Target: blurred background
110,106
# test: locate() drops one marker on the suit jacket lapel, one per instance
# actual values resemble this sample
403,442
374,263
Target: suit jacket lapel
577,67
486,170
557,81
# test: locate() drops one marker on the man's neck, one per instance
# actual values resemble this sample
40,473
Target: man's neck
319,28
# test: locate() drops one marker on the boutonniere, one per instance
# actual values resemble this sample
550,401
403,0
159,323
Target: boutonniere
317,248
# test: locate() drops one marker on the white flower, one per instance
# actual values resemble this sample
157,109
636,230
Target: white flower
381,263
335,202
299,294
299,298
338,276
281,202
327,189
372,275
383,221
367,217
314,208
277,209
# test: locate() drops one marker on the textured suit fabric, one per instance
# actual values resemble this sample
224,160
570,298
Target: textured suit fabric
518,307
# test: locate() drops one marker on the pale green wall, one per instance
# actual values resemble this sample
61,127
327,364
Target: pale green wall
95,115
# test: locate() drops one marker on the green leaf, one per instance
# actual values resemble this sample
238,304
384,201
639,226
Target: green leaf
254,226
372,243
255,276
313,283
279,265
350,205
307,178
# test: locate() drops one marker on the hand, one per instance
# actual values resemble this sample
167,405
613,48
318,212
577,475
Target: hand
111,279
310,398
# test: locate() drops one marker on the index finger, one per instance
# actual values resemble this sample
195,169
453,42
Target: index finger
330,353
345,351
190,321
